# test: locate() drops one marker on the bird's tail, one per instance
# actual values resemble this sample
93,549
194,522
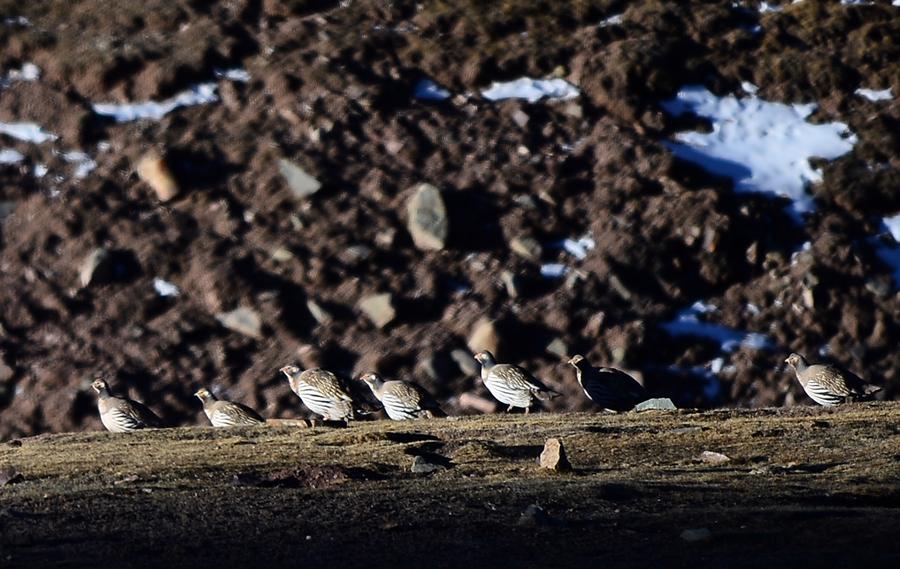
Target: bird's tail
871,389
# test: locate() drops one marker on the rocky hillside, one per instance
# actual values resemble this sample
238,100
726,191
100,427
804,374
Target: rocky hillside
197,193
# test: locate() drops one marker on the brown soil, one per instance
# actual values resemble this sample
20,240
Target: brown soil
801,487
331,89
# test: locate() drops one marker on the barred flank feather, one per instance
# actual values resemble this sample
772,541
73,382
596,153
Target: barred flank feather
120,414
511,384
827,384
322,393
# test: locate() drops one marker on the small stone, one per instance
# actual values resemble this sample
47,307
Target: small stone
617,285
421,465
484,336
465,361
558,348
710,457
386,238
809,298
657,404
574,110
427,218
242,320
379,308
96,268
554,457
301,184
155,172
355,254
10,476
512,283
527,248
282,255
320,315
478,403
521,118
696,535
534,516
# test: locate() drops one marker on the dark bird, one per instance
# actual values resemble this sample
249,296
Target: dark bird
403,400
226,413
611,389
321,391
510,384
120,414
827,384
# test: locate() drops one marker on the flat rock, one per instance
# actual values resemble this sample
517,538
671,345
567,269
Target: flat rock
301,184
554,457
696,534
658,404
320,315
153,170
379,308
427,218
484,336
526,247
710,457
242,320
422,465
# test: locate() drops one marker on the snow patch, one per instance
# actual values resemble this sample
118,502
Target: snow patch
763,147
201,94
165,288
554,270
10,156
688,323
239,75
613,20
875,96
532,90
428,90
84,164
893,225
27,131
749,87
579,248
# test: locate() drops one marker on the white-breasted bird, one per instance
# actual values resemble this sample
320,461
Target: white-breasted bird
321,391
120,414
402,400
827,384
511,384
226,413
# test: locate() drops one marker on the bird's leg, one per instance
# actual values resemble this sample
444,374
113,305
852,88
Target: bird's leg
528,410
509,409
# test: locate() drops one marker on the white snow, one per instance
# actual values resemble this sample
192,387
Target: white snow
532,90
687,323
763,147
197,95
856,2
28,72
766,8
165,288
554,270
428,90
893,225
579,248
84,164
40,170
27,131
613,20
239,75
806,246
10,156
875,96
17,21
749,87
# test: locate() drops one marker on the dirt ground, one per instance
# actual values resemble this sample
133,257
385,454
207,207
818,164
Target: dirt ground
330,88
800,487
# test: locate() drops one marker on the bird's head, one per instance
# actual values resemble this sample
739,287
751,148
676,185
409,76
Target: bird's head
371,378
204,395
795,360
290,371
100,386
577,360
485,358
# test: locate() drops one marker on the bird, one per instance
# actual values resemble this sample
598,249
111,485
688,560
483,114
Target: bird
321,391
511,384
402,400
226,413
120,414
827,384
610,388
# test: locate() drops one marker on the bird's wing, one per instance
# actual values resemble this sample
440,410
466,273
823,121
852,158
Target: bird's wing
516,377
140,413
239,413
327,383
408,392
833,379
623,382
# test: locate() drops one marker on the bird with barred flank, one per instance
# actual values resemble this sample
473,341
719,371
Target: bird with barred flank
402,400
511,384
120,414
827,384
611,389
225,413
321,391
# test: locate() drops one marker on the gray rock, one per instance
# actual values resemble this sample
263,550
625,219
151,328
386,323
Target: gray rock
696,535
427,218
658,404
553,457
465,361
421,465
301,184
521,118
97,267
712,457
320,315
282,255
242,320
379,308
484,336
558,348
527,248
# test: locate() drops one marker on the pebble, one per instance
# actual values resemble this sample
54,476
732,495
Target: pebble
427,218
710,457
301,184
379,308
553,457
242,320
155,172
421,465
657,404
